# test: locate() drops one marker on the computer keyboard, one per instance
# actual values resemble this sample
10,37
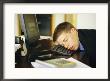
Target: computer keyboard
56,51
62,50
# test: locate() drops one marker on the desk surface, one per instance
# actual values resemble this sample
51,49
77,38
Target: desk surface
59,63
46,44
24,64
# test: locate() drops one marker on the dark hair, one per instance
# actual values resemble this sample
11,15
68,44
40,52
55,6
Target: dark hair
62,27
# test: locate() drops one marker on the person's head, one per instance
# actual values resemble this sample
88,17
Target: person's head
67,35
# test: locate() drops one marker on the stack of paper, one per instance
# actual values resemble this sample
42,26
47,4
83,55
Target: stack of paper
59,63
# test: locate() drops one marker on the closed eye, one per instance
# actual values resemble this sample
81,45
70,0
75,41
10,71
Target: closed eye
65,40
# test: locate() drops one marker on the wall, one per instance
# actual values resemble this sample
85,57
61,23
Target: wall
80,21
86,21
56,19
59,18
17,26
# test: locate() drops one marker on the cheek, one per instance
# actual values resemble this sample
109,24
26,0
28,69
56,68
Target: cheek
71,42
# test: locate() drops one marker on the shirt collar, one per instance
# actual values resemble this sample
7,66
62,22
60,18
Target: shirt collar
81,46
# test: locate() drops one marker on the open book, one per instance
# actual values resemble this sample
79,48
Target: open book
59,63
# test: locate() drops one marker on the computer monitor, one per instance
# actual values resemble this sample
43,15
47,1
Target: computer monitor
30,28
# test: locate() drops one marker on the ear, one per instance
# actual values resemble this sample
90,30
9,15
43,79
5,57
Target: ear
72,30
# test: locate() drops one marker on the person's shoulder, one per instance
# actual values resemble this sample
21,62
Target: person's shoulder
88,38
87,32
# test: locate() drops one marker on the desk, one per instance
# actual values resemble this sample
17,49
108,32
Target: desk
23,63
46,44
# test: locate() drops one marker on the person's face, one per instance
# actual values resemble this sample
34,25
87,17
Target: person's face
69,40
